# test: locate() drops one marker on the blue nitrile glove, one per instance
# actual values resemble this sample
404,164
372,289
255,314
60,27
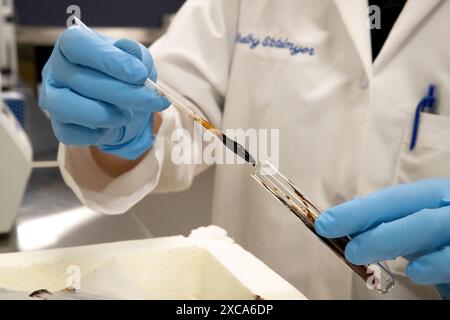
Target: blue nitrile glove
411,221
92,88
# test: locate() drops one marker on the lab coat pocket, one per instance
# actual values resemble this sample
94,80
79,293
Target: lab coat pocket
431,156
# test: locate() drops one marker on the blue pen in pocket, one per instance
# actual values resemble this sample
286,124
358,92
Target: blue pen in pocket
427,102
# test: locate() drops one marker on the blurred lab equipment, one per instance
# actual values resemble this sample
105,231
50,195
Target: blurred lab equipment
15,167
15,101
8,51
16,155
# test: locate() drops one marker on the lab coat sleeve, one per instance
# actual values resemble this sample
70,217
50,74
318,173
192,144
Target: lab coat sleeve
193,59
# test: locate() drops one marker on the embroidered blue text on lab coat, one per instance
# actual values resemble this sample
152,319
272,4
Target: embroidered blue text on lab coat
253,42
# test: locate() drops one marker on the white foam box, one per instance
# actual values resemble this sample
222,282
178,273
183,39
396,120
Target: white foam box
205,265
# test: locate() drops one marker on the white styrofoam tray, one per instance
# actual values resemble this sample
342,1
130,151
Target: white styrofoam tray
205,265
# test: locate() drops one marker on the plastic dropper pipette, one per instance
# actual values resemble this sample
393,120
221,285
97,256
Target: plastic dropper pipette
233,145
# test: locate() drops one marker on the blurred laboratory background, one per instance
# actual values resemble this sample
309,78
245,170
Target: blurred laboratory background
37,209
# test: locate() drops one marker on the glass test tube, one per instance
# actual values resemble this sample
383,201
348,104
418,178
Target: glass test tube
375,275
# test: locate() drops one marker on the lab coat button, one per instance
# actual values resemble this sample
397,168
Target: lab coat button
363,81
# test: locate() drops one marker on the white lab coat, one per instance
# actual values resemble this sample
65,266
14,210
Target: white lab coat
344,122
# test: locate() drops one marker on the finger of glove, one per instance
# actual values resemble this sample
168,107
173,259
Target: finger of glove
72,134
421,231
143,54
389,204
99,86
432,268
90,50
140,52
68,107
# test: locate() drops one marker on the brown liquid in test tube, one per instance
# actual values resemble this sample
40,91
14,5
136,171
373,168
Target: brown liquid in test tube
233,145
337,245
285,191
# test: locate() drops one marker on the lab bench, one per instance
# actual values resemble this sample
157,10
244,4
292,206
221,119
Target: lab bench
52,217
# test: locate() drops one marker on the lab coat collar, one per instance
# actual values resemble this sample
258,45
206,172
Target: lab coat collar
414,12
354,13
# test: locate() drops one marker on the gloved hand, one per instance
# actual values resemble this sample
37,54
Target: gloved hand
411,220
92,88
